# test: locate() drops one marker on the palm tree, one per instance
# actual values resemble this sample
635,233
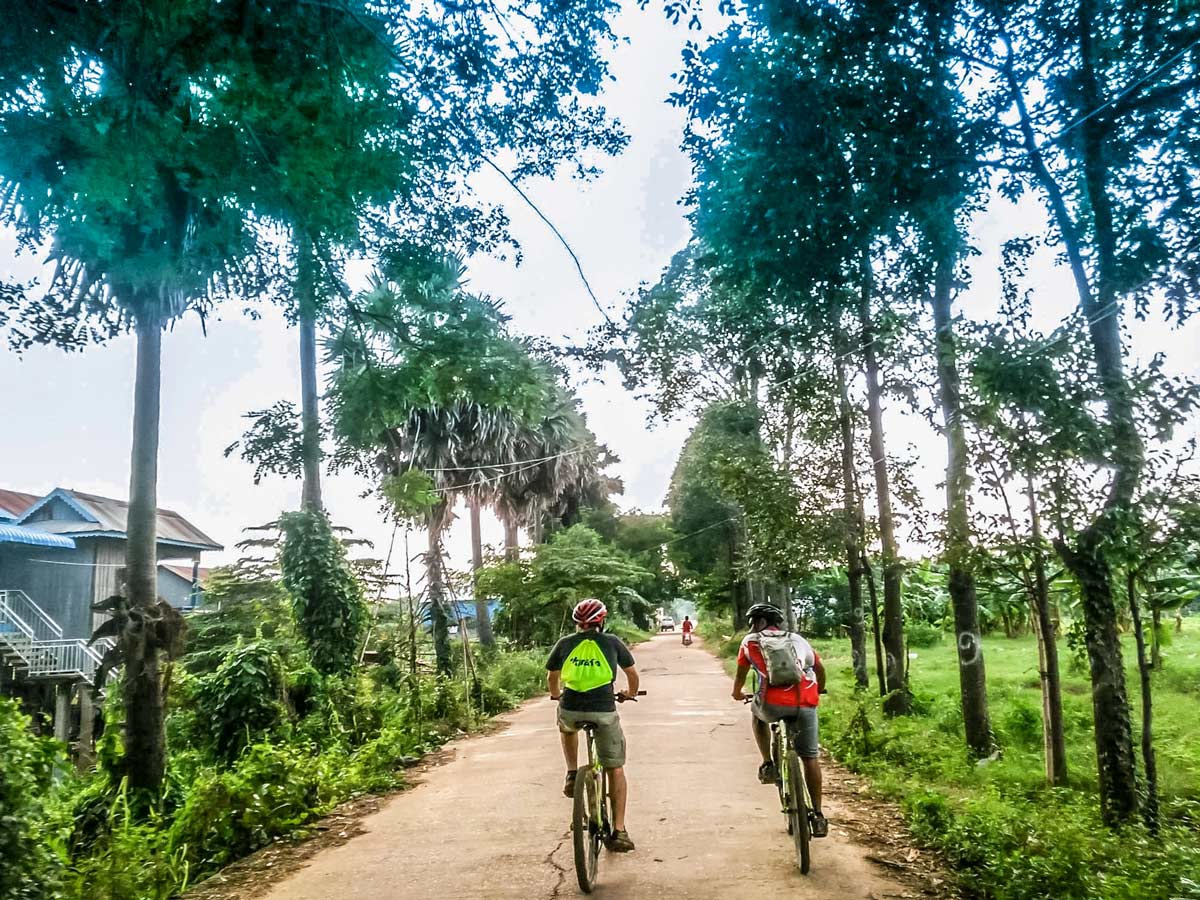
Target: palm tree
428,379
557,470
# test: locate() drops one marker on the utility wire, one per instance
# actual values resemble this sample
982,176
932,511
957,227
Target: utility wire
516,462
1125,93
491,163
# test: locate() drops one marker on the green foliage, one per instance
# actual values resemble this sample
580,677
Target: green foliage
328,600
922,634
1008,835
132,856
243,699
269,792
30,869
411,493
245,602
703,514
538,596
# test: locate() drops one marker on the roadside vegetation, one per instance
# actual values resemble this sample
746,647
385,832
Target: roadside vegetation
263,741
1005,832
1026,693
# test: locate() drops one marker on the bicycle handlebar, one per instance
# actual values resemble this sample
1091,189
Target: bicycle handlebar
622,696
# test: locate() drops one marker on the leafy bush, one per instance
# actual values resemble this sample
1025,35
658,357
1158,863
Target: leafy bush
29,867
270,792
1022,723
328,600
131,857
1058,848
923,634
506,680
243,699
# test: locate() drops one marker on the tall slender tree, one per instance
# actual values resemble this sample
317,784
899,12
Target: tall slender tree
1101,95
110,153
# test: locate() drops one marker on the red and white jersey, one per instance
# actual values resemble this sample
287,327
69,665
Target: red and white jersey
687,626
806,693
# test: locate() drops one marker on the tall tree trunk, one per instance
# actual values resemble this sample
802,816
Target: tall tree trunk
784,600
310,415
1155,646
141,689
436,590
873,594
737,586
1150,808
512,547
1086,561
1053,730
898,701
483,621
971,679
850,511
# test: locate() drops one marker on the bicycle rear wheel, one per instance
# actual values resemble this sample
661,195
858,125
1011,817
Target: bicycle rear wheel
586,829
798,824
778,758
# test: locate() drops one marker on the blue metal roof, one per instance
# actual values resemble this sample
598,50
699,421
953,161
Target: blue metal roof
18,534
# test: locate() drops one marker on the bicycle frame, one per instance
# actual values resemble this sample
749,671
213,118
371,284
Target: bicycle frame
796,807
599,798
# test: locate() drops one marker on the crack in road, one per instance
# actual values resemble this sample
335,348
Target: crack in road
562,872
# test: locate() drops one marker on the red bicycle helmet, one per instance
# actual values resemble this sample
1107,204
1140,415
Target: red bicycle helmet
589,612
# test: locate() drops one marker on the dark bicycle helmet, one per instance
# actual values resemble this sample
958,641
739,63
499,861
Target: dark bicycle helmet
771,614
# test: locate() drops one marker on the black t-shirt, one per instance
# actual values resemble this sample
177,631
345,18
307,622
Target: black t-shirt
601,699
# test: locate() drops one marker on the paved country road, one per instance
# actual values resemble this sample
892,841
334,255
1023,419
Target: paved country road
492,823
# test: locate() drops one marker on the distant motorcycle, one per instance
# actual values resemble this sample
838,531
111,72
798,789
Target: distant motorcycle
687,639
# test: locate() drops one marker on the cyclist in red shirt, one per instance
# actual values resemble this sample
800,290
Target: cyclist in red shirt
798,702
687,628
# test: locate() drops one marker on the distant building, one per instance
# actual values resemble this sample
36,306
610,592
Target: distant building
64,551
182,586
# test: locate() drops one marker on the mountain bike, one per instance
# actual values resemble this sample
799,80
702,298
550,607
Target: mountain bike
591,817
794,798
793,789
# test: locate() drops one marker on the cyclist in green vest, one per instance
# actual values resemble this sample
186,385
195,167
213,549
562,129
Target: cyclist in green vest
581,671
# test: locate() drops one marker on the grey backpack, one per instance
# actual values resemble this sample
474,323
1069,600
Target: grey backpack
783,668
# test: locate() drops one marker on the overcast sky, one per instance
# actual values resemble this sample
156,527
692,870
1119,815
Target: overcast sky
65,419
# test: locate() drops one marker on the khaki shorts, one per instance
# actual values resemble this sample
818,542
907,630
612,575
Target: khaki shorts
610,739
804,721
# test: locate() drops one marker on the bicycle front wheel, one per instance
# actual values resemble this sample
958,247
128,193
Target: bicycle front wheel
586,828
798,825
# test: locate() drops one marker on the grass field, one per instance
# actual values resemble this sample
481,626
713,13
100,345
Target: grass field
1009,836
1015,697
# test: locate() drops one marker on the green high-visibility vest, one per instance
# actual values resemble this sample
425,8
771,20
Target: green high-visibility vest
587,668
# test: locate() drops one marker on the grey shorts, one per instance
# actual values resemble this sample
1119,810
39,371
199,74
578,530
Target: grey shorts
610,739
805,719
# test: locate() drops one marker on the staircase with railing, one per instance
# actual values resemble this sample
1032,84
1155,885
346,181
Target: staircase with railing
33,643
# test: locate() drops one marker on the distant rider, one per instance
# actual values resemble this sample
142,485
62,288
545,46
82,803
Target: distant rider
581,672
796,701
687,627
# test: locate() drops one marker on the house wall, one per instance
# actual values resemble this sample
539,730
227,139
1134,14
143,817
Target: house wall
56,510
57,580
175,590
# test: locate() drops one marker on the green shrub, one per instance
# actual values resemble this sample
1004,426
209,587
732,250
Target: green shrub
326,596
922,634
507,679
244,699
1022,723
626,630
29,866
271,791
131,857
